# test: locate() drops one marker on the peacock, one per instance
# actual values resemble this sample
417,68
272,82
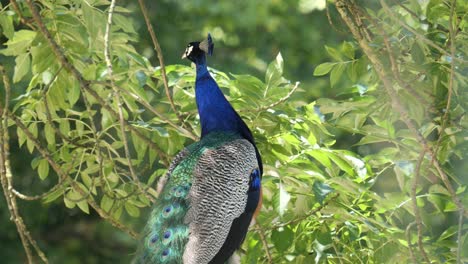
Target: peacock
212,189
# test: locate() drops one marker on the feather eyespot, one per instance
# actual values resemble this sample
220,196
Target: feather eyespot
178,192
167,234
167,211
166,252
154,239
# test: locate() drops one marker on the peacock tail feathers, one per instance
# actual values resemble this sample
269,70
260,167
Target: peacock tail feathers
166,235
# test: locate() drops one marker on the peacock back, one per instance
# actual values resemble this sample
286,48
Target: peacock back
205,192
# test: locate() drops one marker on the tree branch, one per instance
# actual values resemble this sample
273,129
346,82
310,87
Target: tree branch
56,167
408,239
261,233
158,50
6,178
417,214
119,103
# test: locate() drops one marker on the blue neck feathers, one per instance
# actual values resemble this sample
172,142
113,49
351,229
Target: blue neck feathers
216,113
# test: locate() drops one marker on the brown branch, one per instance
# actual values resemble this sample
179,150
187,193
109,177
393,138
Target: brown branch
158,50
23,20
444,121
417,214
6,178
330,21
280,101
261,233
452,33
51,190
408,239
459,238
119,103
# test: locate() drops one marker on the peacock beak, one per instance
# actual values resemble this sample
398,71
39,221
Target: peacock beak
184,56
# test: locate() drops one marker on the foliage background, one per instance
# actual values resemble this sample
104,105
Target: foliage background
365,158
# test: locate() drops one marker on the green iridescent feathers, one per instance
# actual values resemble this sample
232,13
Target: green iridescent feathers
166,233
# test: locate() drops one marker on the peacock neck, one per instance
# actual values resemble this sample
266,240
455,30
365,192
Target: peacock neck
216,113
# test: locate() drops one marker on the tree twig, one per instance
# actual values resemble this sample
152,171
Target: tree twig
56,167
159,53
408,239
280,101
6,178
107,57
417,214
261,233
444,121
23,20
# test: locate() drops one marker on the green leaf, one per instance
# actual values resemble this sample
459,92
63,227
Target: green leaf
64,127
117,212
323,68
20,42
95,23
6,24
334,53
320,156
417,53
321,190
23,63
21,136
53,196
274,72
83,205
449,232
124,23
49,134
336,74
282,238
345,166
42,58
73,92
348,50
69,203
106,203
132,210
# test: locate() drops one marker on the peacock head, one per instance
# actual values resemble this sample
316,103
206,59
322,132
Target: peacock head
196,51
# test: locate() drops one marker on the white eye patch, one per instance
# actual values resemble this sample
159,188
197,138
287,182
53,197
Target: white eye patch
188,50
